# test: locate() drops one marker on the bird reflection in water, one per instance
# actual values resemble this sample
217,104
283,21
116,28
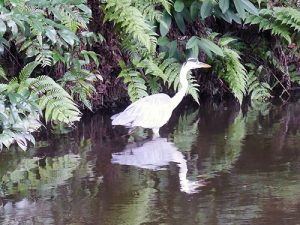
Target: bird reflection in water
156,154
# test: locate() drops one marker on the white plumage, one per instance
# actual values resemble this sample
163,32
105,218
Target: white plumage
154,111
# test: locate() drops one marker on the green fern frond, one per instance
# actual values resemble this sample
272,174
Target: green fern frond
193,89
167,4
166,69
281,21
148,10
295,76
282,31
152,68
234,73
132,22
186,130
3,87
44,58
58,104
2,73
84,99
258,91
13,84
72,18
136,84
154,85
27,71
288,16
8,137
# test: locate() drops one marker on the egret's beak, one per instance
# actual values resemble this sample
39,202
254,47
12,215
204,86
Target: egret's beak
203,65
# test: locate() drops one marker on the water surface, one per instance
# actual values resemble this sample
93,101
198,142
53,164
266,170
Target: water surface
211,165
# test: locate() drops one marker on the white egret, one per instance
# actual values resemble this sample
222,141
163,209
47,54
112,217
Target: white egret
154,111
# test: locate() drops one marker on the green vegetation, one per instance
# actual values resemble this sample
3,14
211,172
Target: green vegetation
57,57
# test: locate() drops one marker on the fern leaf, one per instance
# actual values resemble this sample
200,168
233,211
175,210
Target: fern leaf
2,73
44,58
26,71
258,91
154,85
58,104
280,20
136,85
193,89
148,10
132,22
235,73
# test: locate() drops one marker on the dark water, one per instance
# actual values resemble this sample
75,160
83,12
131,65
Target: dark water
213,165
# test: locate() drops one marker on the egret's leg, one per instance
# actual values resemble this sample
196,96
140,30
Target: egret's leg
131,130
155,132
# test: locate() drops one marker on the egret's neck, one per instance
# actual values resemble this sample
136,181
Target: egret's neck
183,89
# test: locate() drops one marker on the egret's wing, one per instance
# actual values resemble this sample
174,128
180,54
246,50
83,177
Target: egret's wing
115,116
141,110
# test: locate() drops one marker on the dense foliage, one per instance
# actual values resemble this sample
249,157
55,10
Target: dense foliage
56,53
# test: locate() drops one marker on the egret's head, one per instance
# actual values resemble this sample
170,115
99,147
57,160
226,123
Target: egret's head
193,63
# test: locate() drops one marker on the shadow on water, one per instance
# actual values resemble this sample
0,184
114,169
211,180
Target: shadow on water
212,165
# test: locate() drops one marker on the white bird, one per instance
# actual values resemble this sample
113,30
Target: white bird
154,111
156,155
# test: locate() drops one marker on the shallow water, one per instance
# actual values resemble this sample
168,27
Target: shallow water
213,165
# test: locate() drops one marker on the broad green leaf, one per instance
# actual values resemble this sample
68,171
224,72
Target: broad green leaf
230,15
86,57
194,10
178,5
180,22
91,54
205,49
186,15
240,8
206,9
195,51
211,46
248,6
165,24
1,48
20,23
56,56
224,16
2,27
51,34
85,9
192,42
226,40
163,41
25,45
172,48
13,27
224,5
68,37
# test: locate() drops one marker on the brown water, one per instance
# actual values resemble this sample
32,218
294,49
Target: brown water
214,165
